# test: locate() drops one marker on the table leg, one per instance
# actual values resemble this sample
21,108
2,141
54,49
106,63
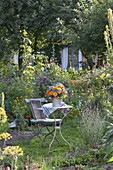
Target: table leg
59,128
61,132
52,140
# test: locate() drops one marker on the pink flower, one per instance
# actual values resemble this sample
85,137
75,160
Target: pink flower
34,166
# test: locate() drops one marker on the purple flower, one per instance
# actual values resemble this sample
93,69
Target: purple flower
46,73
35,80
44,82
69,94
8,80
10,87
65,83
44,79
0,79
41,79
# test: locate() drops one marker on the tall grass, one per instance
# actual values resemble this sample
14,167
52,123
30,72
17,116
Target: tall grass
92,127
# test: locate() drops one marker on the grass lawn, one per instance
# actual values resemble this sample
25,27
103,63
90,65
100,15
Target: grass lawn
60,155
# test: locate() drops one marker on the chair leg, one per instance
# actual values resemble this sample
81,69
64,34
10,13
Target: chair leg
39,133
35,133
50,133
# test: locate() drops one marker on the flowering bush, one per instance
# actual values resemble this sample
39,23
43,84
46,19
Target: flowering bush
58,91
3,121
12,151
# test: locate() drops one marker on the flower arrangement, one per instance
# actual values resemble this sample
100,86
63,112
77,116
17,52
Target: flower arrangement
57,91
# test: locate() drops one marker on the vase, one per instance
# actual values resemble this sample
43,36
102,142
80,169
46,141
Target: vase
56,102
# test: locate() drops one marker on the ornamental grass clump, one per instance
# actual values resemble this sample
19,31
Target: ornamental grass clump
92,127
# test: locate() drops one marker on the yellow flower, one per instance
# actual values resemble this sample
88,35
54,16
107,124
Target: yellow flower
102,76
55,94
58,89
5,136
13,151
1,157
108,75
3,116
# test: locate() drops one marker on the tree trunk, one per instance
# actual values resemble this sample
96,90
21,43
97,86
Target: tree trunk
90,63
20,59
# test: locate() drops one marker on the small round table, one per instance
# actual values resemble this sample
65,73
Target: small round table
49,109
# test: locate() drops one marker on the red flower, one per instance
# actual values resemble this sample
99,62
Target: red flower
25,161
38,125
39,166
27,116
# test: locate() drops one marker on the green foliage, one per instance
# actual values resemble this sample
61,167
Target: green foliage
86,88
40,24
89,28
16,88
17,24
108,35
108,137
50,75
80,156
33,82
92,127
3,116
89,88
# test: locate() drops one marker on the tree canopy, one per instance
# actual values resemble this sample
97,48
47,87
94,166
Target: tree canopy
39,22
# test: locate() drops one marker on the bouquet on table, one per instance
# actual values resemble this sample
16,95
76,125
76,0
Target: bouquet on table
57,91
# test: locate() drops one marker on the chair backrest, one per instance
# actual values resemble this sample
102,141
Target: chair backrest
36,109
41,99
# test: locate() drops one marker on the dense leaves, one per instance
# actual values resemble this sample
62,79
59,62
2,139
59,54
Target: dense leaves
71,22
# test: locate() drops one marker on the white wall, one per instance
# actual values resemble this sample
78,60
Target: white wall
80,59
64,55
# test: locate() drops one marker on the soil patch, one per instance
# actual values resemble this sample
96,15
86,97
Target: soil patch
18,136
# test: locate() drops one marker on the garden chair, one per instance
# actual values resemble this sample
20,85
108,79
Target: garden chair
42,121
